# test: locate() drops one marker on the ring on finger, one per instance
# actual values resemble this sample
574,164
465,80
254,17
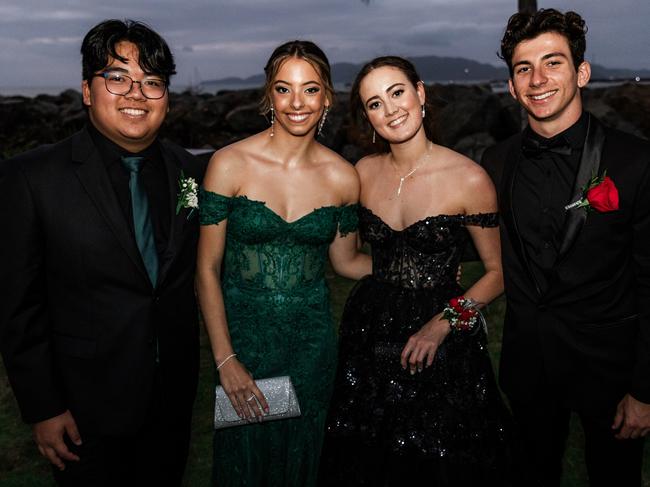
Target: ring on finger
250,398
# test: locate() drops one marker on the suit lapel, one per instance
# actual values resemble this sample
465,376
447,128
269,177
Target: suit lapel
512,160
589,165
93,176
173,170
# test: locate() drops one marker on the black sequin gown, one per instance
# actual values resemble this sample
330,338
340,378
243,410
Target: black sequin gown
387,427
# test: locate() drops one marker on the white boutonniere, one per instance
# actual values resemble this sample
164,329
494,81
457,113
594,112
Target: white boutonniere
187,194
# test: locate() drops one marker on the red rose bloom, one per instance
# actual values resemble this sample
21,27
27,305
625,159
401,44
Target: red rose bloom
603,197
455,303
466,314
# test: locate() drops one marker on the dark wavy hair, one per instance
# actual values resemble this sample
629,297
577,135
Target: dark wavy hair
358,110
305,50
524,26
99,45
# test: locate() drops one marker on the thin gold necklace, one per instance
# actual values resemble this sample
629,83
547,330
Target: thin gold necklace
411,172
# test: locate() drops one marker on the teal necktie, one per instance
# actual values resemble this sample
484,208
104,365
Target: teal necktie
142,225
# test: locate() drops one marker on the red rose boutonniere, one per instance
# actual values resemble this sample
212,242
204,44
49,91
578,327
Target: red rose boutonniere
599,194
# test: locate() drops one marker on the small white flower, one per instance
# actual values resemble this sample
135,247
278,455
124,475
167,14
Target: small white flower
188,195
193,201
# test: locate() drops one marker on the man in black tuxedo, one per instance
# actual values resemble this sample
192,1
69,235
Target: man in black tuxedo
577,281
98,319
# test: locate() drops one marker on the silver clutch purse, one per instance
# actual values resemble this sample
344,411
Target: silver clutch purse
280,396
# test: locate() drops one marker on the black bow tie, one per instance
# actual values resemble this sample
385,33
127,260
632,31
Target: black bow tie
534,147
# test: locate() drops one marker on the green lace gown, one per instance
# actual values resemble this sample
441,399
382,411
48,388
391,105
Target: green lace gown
277,306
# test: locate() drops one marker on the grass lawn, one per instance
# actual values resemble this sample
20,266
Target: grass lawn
21,465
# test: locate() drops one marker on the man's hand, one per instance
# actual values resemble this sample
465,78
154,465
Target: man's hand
632,417
48,436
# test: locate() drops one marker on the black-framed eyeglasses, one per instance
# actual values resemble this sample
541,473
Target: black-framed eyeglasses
121,84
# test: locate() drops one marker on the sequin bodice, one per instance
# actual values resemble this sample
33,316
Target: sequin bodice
447,422
425,254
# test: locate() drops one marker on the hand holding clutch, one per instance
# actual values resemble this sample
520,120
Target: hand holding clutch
280,396
240,388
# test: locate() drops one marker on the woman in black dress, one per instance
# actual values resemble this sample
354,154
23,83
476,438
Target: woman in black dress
415,395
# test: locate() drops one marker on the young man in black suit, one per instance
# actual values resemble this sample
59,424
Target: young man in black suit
98,319
576,262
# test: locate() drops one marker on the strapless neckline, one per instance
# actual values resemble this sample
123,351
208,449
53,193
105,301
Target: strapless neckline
441,216
279,217
270,210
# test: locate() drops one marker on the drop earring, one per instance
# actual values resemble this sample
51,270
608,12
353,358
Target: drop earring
424,111
272,120
373,135
322,121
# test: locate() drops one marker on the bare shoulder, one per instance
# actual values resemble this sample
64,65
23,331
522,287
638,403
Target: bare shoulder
367,166
465,173
470,181
227,167
340,174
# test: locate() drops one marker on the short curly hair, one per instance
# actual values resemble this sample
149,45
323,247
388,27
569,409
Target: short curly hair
524,26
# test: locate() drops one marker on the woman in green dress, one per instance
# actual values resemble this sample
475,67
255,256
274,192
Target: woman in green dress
273,208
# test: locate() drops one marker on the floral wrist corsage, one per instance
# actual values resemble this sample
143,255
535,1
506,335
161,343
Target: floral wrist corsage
463,314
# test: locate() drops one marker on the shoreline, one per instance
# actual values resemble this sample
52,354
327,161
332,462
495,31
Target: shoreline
496,86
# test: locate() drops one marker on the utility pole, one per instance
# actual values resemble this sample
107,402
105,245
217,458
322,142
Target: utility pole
527,6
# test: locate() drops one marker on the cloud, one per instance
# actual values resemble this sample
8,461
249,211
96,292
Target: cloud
13,13
52,40
235,37
234,47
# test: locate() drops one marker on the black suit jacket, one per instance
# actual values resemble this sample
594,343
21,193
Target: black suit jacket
79,319
588,333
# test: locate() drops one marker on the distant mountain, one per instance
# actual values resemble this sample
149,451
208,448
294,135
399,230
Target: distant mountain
599,72
256,80
436,69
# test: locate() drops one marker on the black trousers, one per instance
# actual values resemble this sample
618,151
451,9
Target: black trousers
155,455
543,427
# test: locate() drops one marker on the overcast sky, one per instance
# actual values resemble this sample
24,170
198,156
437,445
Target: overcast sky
39,39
